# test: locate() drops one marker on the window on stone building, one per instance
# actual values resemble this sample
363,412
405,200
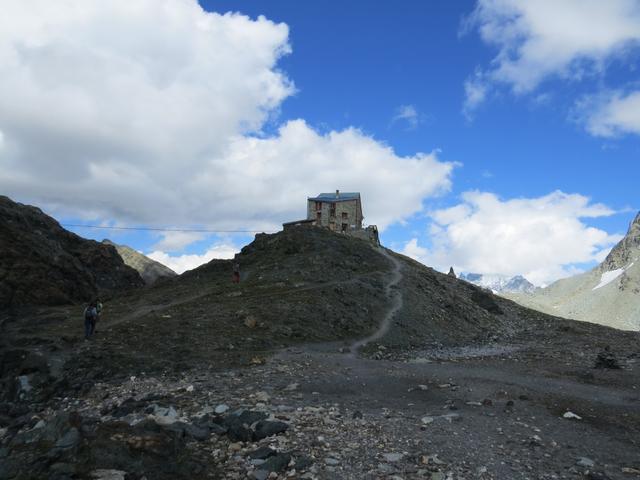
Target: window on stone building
345,215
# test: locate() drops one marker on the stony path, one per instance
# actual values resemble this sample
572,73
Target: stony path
396,303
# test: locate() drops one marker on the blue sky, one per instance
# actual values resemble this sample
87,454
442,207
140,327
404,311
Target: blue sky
535,174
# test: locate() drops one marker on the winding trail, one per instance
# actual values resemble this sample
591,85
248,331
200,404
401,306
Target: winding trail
396,304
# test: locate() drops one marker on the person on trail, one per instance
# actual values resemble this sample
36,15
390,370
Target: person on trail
90,314
98,305
236,272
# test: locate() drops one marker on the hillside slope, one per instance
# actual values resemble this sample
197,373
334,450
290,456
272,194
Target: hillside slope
178,374
608,295
44,264
303,286
150,270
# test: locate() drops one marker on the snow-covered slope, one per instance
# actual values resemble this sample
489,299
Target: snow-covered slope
609,294
499,283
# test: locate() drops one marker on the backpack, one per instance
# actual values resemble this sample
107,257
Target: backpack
88,313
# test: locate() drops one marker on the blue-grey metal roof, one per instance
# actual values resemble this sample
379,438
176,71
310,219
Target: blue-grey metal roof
331,197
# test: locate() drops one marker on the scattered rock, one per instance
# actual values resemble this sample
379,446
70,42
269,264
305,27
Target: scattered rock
260,474
262,397
392,457
102,474
585,462
235,447
277,462
264,429
69,439
571,415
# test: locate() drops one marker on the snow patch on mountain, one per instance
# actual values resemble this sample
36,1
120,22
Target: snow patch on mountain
608,277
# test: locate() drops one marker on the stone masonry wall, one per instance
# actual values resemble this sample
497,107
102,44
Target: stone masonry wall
348,207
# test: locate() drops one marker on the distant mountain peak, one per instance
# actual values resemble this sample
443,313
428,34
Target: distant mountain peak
150,270
500,283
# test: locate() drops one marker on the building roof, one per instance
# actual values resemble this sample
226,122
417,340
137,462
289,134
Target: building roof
331,197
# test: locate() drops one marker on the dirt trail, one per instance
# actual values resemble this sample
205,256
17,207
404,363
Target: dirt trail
396,304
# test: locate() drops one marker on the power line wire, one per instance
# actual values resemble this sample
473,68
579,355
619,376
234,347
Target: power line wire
154,229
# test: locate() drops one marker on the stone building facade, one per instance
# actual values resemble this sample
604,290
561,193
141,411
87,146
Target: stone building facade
339,212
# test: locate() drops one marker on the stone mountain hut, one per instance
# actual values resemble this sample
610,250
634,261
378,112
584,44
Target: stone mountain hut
340,212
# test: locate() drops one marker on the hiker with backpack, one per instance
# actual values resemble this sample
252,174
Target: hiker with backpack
98,305
90,316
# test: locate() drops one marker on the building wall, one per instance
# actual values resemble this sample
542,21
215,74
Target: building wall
369,234
346,212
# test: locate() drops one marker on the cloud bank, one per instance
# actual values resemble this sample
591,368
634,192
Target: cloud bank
541,238
153,112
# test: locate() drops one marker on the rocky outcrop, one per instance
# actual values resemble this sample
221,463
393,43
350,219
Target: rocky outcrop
626,250
44,264
150,270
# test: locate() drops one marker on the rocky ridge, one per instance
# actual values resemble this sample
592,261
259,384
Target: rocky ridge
150,270
44,264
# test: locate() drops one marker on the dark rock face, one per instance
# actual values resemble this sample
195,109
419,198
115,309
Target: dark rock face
607,359
44,264
487,301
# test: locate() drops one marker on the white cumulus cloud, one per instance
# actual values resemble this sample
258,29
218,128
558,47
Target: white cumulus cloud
541,238
270,178
543,38
182,263
152,112
611,113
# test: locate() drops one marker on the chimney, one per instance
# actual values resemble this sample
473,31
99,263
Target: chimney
337,193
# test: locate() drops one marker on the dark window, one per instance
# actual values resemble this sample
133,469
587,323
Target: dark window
318,205
332,211
344,227
345,215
